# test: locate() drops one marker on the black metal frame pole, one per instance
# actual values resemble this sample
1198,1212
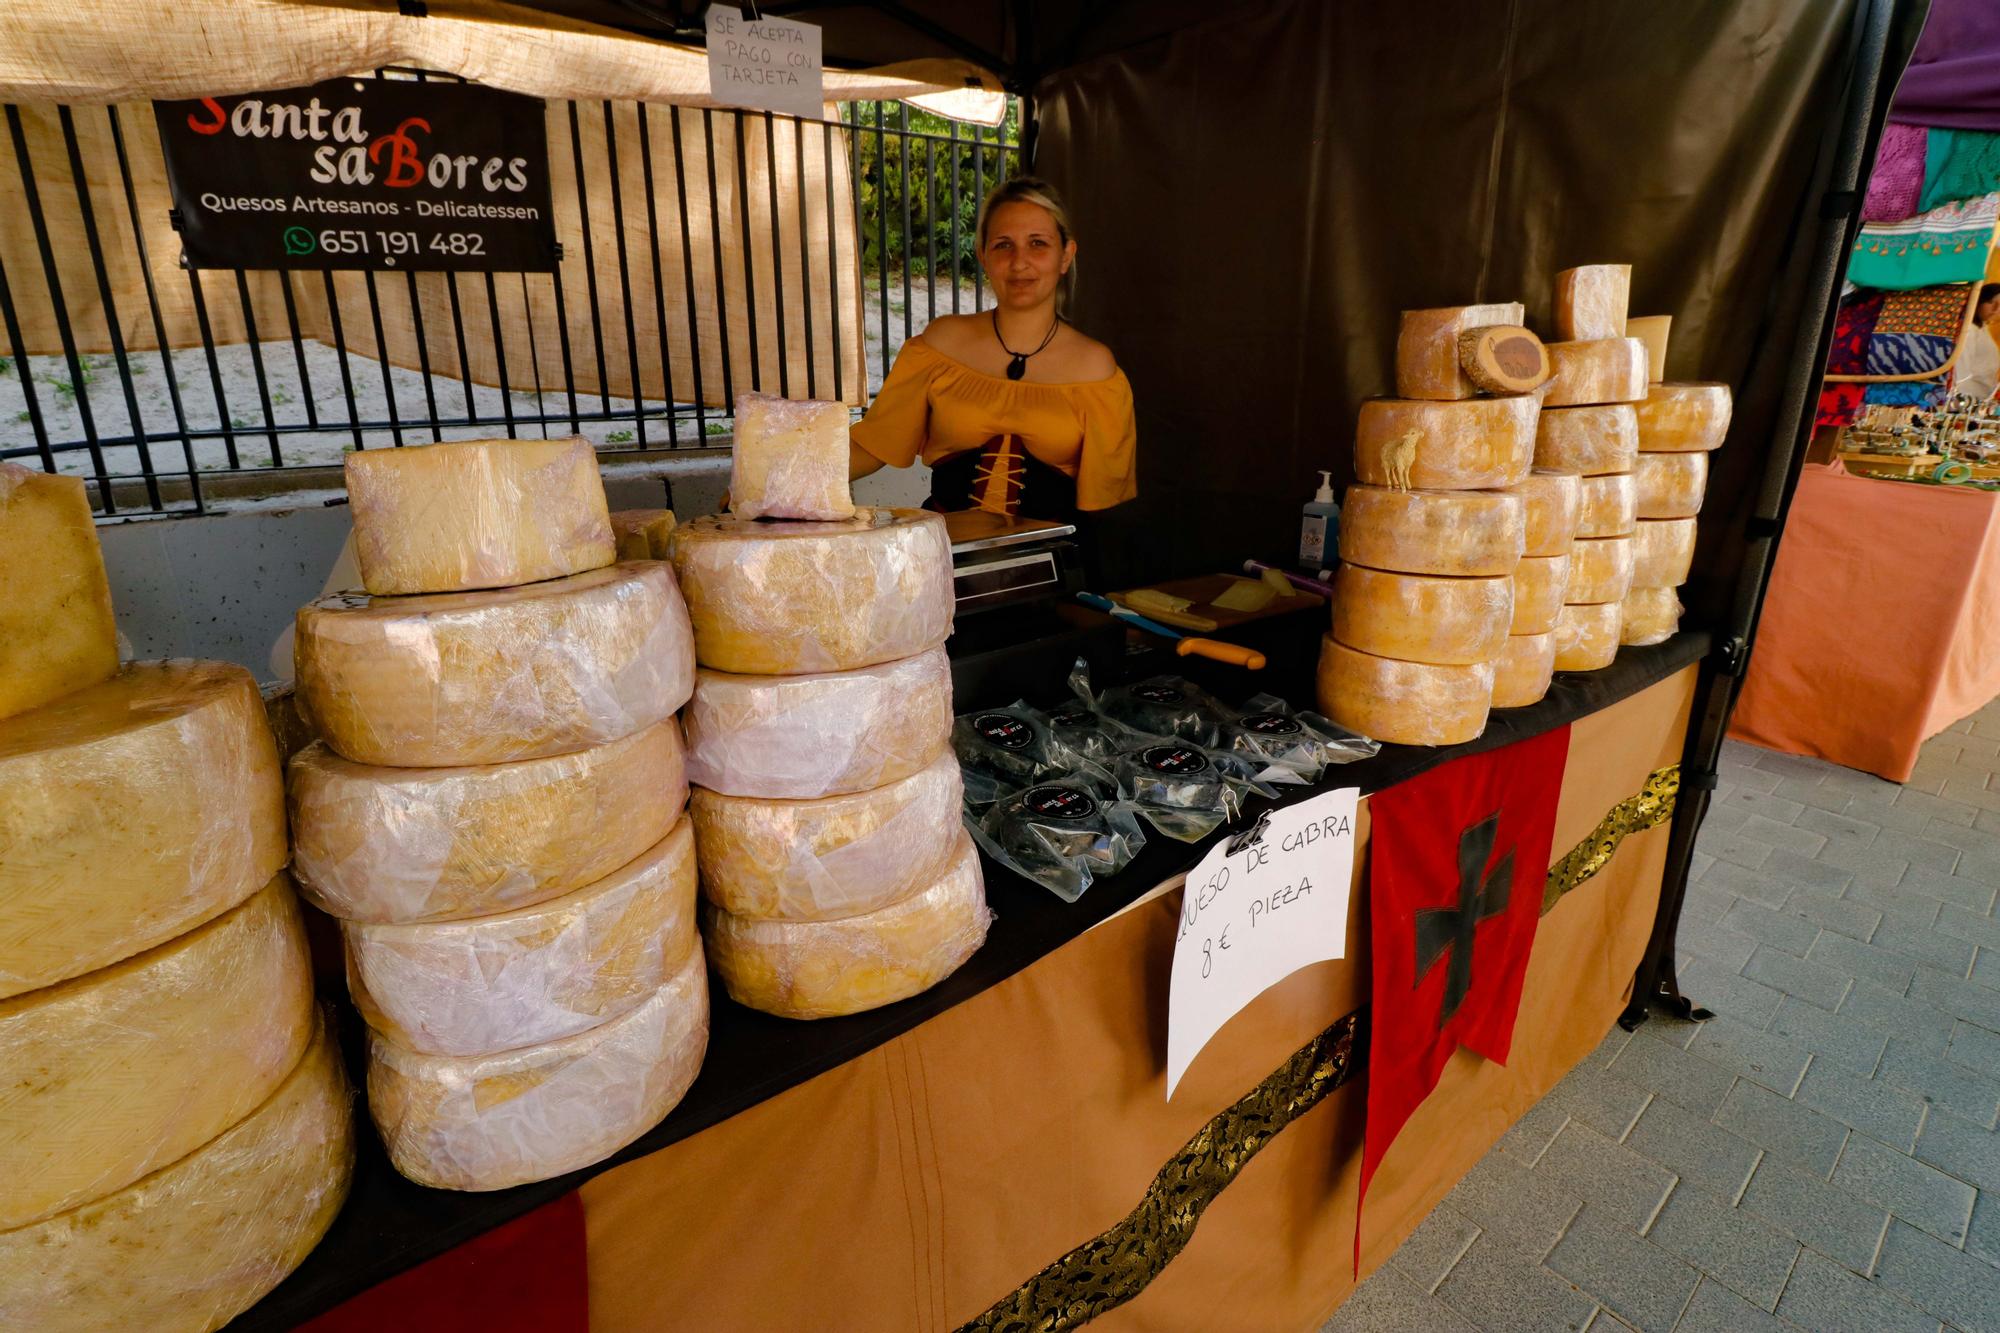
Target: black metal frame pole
1846,153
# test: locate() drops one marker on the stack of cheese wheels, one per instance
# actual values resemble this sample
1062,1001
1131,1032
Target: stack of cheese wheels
1432,535
826,796
1589,427
1679,426
174,1133
495,813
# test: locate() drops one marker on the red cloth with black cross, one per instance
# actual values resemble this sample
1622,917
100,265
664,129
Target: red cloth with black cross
1458,858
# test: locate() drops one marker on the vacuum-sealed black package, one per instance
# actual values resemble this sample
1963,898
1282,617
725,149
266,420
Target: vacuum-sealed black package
1187,791
1000,749
1062,833
1079,732
1160,706
1269,732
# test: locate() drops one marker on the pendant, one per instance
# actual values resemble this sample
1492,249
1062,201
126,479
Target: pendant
1017,367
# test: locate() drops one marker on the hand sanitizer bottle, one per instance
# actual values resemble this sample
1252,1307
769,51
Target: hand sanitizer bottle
1319,529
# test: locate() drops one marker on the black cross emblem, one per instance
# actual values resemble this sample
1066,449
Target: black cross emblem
1451,928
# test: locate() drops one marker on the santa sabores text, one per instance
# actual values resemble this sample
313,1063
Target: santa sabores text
457,175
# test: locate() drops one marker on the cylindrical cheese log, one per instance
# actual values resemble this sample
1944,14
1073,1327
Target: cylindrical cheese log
431,844
1403,703
1600,570
1683,418
785,599
1587,636
541,973
1649,616
1421,617
1590,440
1670,485
1540,585
1609,507
484,1122
1550,498
822,969
789,459
1604,370
1522,672
202,1239
491,677
1652,330
1427,360
131,812
1462,533
803,737
1591,301
476,514
1474,444
1662,552
117,1073
838,856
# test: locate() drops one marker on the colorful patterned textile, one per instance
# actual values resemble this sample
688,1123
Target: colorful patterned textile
1907,393
1958,164
1947,244
1898,178
1917,331
1839,405
1852,327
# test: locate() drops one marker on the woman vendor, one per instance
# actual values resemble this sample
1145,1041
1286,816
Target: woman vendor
1016,412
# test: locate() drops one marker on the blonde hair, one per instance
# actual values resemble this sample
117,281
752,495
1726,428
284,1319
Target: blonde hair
1033,190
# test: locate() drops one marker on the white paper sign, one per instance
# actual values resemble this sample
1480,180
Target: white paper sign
765,63
1251,919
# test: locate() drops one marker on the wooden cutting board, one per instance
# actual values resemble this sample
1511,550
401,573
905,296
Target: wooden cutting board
1203,589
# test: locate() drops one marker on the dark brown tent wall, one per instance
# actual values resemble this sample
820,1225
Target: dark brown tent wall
1259,196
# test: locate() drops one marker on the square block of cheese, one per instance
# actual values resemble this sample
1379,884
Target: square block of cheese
1591,301
643,534
477,514
790,459
56,631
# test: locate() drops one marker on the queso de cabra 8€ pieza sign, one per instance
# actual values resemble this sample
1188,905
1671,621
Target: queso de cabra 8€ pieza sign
362,174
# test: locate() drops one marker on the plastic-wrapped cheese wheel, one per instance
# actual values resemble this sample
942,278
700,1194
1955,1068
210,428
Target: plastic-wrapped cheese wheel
484,1122
838,856
430,844
790,459
1649,616
131,812
1550,498
803,737
786,599
1421,617
1461,533
1591,301
203,1238
822,969
1600,570
1522,672
1590,440
1403,703
1601,370
1587,636
537,974
476,514
1609,506
1662,552
491,677
1540,585
1684,418
116,1073
1427,356
1670,485
1471,444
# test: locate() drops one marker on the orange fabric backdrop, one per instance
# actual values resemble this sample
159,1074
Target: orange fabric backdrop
1882,624
916,1185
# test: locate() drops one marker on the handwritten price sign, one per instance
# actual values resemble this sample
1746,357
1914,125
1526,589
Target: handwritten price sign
1253,916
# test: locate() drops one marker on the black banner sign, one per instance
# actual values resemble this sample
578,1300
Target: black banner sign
362,174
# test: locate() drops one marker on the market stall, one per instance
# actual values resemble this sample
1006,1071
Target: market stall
995,1145
1876,633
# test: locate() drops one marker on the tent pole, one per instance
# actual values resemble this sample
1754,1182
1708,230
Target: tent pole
1846,155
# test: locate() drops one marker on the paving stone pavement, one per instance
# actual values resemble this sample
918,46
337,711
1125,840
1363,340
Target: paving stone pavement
1821,1155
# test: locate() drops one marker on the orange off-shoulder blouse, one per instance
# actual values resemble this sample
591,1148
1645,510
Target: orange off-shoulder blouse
932,407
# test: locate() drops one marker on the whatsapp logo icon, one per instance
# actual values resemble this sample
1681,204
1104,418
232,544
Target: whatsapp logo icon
300,241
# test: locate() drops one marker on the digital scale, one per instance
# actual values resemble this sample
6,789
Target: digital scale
998,561
1017,629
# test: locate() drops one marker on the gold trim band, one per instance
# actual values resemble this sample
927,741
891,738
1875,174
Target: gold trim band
1653,806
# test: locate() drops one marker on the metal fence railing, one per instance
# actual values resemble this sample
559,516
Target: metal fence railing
163,387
